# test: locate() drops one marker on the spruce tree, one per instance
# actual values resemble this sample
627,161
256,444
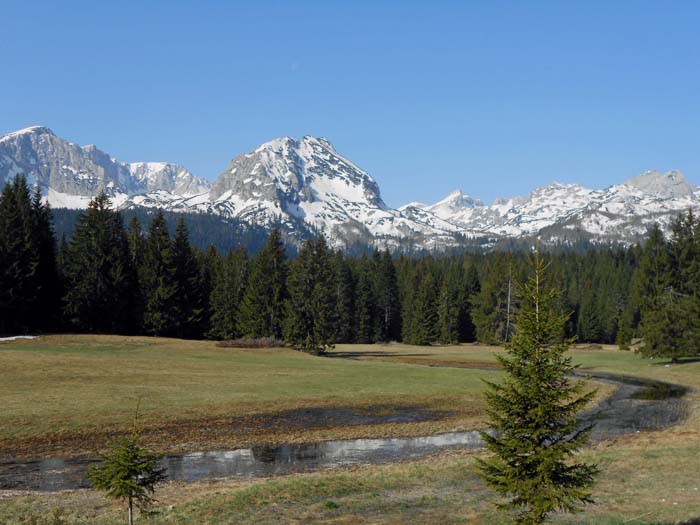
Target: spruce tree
467,330
261,312
323,298
533,412
425,312
19,258
365,304
344,299
670,329
157,276
490,308
670,320
128,473
310,309
45,312
208,263
189,293
229,284
387,298
452,299
101,282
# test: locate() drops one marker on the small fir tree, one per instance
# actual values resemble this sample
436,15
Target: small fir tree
533,413
128,473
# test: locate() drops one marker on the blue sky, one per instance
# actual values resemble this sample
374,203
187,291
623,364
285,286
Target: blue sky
492,97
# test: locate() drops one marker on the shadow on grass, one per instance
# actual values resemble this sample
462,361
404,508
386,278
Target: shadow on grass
356,355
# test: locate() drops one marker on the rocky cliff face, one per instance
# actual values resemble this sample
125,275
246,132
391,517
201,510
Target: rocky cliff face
62,168
306,185
169,177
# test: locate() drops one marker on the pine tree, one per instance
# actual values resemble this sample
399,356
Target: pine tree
323,301
533,413
467,330
100,280
424,331
652,278
451,305
365,304
189,295
19,258
45,311
136,242
588,328
129,473
670,329
208,263
310,308
670,320
387,298
262,309
344,300
490,309
229,285
157,276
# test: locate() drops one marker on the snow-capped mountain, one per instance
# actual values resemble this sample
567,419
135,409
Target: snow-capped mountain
623,212
306,185
168,177
70,175
307,181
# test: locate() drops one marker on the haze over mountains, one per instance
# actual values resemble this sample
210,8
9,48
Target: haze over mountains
305,184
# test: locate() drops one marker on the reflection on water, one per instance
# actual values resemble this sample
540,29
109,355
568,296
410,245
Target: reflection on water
260,461
635,405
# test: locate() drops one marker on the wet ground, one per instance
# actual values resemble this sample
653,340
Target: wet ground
636,405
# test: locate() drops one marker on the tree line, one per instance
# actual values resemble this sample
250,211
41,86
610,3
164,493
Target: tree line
140,278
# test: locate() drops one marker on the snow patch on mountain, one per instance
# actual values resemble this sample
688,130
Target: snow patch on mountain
307,185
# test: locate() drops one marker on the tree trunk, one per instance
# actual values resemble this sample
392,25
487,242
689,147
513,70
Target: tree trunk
131,512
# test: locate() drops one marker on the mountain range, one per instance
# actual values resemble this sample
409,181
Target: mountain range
304,185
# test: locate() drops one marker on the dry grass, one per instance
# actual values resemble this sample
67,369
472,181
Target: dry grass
67,395
646,478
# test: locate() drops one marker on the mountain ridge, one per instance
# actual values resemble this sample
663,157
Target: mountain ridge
306,185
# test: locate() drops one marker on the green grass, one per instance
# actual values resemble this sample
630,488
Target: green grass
64,385
645,478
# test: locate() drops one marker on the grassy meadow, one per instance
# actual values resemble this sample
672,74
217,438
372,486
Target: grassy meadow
68,390
69,395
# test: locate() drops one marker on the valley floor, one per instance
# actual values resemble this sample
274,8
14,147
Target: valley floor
69,395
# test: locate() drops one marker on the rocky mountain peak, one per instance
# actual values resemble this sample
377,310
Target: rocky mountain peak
671,184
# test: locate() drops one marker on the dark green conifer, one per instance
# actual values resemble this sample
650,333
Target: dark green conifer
100,280
365,304
345,299
386,293
229,285
261,312
158,280
533,413
491,308
425,312
310,309
19,258
190,293
452,301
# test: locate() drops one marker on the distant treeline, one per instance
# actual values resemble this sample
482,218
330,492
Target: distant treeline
126,279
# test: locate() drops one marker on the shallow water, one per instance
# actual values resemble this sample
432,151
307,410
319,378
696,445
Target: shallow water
635,405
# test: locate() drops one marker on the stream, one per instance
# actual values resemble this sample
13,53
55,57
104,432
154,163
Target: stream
636,405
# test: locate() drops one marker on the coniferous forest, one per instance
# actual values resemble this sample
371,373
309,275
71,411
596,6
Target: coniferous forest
109,276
